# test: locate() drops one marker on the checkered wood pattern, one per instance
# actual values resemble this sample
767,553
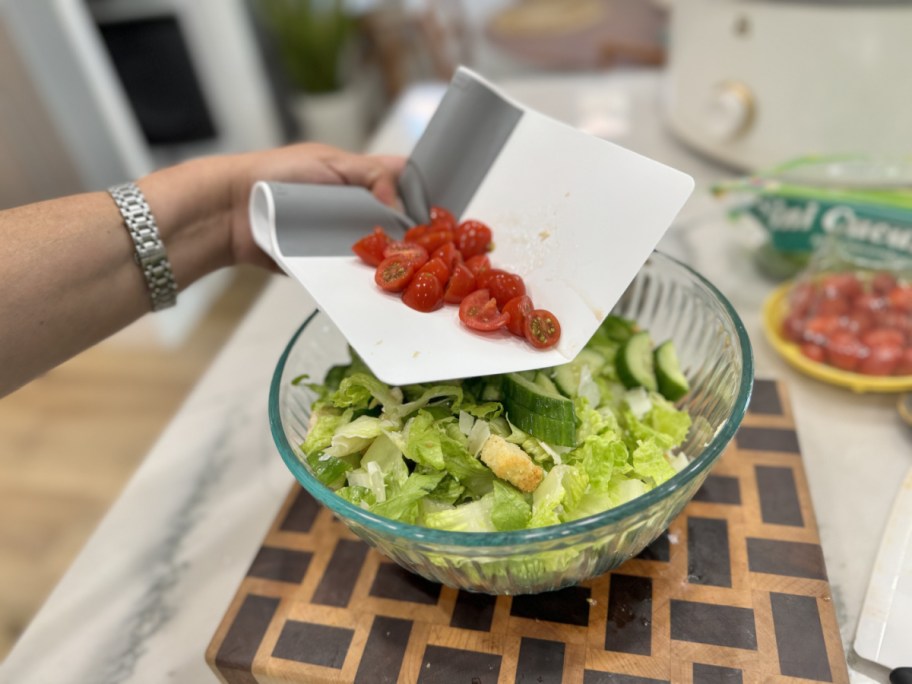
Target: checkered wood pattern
735,591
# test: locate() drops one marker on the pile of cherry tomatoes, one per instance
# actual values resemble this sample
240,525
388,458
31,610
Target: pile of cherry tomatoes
443,262
858,322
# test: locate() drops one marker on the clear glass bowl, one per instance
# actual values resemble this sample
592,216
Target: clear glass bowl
668,299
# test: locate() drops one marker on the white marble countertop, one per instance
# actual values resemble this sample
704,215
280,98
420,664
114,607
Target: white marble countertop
145,595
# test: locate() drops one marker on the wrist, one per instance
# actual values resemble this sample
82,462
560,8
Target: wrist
191,203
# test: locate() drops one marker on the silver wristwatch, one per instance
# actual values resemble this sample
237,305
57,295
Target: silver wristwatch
150,250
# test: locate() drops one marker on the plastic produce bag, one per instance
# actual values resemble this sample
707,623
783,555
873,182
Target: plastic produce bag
866,201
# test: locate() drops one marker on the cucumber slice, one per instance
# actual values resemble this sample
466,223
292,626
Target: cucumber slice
543,381
635,364
541,412
671,381
519,390
567,375
542,426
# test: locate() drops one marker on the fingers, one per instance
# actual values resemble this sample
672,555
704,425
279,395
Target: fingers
377,173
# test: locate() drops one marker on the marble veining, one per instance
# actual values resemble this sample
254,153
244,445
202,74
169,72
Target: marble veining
156,607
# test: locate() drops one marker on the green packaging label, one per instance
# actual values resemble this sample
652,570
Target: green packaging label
799,224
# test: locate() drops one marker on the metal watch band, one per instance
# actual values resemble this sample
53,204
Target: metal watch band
150,250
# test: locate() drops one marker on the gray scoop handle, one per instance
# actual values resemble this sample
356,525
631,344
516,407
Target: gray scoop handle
449,162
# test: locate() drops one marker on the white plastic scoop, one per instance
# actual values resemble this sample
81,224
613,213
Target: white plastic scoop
574,215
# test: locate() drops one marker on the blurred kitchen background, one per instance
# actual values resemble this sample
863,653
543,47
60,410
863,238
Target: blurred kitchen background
93,92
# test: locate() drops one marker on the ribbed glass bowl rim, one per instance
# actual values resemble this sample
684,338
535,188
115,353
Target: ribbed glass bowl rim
427,536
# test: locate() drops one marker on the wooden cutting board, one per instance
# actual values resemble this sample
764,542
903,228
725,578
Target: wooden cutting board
735,591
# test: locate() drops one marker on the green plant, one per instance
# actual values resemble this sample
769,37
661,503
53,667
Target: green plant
312,36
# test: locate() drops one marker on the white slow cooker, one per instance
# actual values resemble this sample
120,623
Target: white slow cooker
753,83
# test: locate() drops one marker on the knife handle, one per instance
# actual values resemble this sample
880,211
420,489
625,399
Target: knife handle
901,675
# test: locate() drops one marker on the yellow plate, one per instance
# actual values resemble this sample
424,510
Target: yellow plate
774,310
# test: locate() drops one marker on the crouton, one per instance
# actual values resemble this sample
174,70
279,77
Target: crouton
511,463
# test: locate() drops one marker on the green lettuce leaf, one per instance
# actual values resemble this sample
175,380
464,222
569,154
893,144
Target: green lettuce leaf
560,490
355,436
511,509
474,516
387,455
404,505
323,425
360,496
362,390
649,462
422,443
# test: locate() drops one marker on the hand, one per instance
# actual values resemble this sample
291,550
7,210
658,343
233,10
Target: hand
202,206
304,163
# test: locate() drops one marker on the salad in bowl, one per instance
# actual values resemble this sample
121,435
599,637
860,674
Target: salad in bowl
523,482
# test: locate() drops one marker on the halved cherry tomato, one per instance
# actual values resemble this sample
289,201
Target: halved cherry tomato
541,328
462,282
442,218
438,269
370,248
414,233
518,308
448,254
479,312
472,238
394,273
407,250
478,264
430,237
845,350
424,292
504,287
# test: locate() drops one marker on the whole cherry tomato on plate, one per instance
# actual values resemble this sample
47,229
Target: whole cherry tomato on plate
832,306
904,367
845,351
882,359
883,282
814,352
819,329
841,286
900,298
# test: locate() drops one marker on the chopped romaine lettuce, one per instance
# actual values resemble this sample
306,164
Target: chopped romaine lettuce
412,453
